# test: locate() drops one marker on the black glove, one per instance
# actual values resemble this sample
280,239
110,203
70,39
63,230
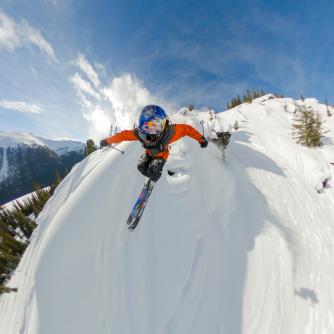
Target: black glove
204,143
103,143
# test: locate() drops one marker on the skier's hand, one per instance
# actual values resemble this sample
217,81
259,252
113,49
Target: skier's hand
204,143
103,143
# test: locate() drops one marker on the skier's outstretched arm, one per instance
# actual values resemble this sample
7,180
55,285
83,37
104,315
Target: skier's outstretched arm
126,135
182,130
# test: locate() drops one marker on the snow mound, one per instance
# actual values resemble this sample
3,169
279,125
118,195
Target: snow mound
244,246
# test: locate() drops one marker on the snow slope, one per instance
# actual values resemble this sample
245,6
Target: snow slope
241,247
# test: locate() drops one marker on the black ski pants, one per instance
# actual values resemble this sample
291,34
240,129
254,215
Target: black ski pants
151,167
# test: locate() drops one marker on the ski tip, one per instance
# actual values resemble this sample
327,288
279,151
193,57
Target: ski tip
131,228
133,224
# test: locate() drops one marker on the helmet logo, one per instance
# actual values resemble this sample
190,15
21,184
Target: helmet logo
152,127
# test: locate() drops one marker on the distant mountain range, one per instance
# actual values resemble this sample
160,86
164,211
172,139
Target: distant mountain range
26,159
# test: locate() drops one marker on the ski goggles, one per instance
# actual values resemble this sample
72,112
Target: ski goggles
151,130
149,137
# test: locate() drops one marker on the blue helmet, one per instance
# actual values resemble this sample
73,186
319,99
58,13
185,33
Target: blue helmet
151,123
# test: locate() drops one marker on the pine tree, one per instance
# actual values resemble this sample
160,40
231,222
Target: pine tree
4,289
307,127
90,147
246,98
25,224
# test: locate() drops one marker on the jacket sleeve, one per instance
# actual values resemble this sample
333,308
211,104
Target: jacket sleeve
126,135
182,130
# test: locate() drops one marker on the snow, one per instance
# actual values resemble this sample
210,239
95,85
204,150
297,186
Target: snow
217,125
63,146
244,246
10,205
60,146
13,138
264,98
4,170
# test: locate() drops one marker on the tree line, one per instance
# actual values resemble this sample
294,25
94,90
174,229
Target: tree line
16,227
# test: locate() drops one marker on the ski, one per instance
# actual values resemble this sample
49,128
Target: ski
141,202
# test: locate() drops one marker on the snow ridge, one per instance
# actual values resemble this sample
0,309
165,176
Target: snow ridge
12,139
244,246
8,139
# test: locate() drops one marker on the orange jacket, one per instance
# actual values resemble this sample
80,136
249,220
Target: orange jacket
180,130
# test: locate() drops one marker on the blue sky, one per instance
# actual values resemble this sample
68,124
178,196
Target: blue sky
69,68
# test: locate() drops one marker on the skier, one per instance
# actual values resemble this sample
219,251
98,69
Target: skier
155,132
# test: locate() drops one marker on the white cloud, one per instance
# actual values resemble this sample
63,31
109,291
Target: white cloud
84,87
99,120
116,103
124,97
21,106
9,38
88,70
127,95
14,35
34,36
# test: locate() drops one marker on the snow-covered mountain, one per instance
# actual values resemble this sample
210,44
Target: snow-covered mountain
15,138
244,246
63,146
60,146
25,159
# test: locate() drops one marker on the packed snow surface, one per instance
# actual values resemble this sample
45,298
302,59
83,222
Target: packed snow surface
244,246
